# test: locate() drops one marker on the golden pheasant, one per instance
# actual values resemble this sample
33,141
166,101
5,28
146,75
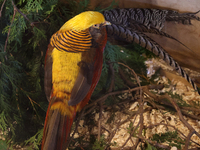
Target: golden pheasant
74,60
73,67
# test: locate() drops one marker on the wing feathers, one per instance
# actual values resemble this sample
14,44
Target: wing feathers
82,84
48,72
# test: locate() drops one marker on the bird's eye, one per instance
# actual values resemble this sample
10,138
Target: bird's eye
96,26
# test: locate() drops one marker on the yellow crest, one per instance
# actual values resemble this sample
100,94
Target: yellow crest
83,21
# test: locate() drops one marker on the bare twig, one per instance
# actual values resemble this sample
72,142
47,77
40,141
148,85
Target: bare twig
191,129
126,81
135,128
90,110
154,143
179,112
190,115
99,121
2,7
159,99
76,128
141,104
101,102
188,139
32,24
191,109
119,124
138,81
117,92
158,124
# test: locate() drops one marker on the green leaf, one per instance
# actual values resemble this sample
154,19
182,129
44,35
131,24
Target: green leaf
3,145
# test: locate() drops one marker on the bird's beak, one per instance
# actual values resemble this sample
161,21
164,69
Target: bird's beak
106,23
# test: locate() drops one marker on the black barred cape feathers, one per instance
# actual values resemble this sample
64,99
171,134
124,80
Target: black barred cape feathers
129,25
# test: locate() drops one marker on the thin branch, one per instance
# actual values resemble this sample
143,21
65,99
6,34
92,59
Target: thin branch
191,129
188,139
76,128
158,124
99,121
132,132
179,112
2,7
191,109
101,102
154,143
119,124
141,104
22,13
126,81
159,100
119,92
90,110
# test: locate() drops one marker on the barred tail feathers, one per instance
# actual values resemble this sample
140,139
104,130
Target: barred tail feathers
149,17
131,36
184,18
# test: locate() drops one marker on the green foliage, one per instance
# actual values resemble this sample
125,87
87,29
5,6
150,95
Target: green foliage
17,29
196,104
137,58
112,5
34,5
100,145
150,147
23,103
171,138
35,140
3,120
131,128
114,54
131,56
179,99
3,145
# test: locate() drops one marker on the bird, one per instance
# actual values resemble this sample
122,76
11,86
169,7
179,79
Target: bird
74,60
73,65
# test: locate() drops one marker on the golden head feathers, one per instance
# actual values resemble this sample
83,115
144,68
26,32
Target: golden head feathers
83,21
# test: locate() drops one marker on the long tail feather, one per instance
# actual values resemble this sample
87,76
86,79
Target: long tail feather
151,18
56,130
143,40
184,18
142,28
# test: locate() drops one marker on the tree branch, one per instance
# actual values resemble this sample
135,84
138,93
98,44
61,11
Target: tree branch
101,102
191,129
22,13
2,7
